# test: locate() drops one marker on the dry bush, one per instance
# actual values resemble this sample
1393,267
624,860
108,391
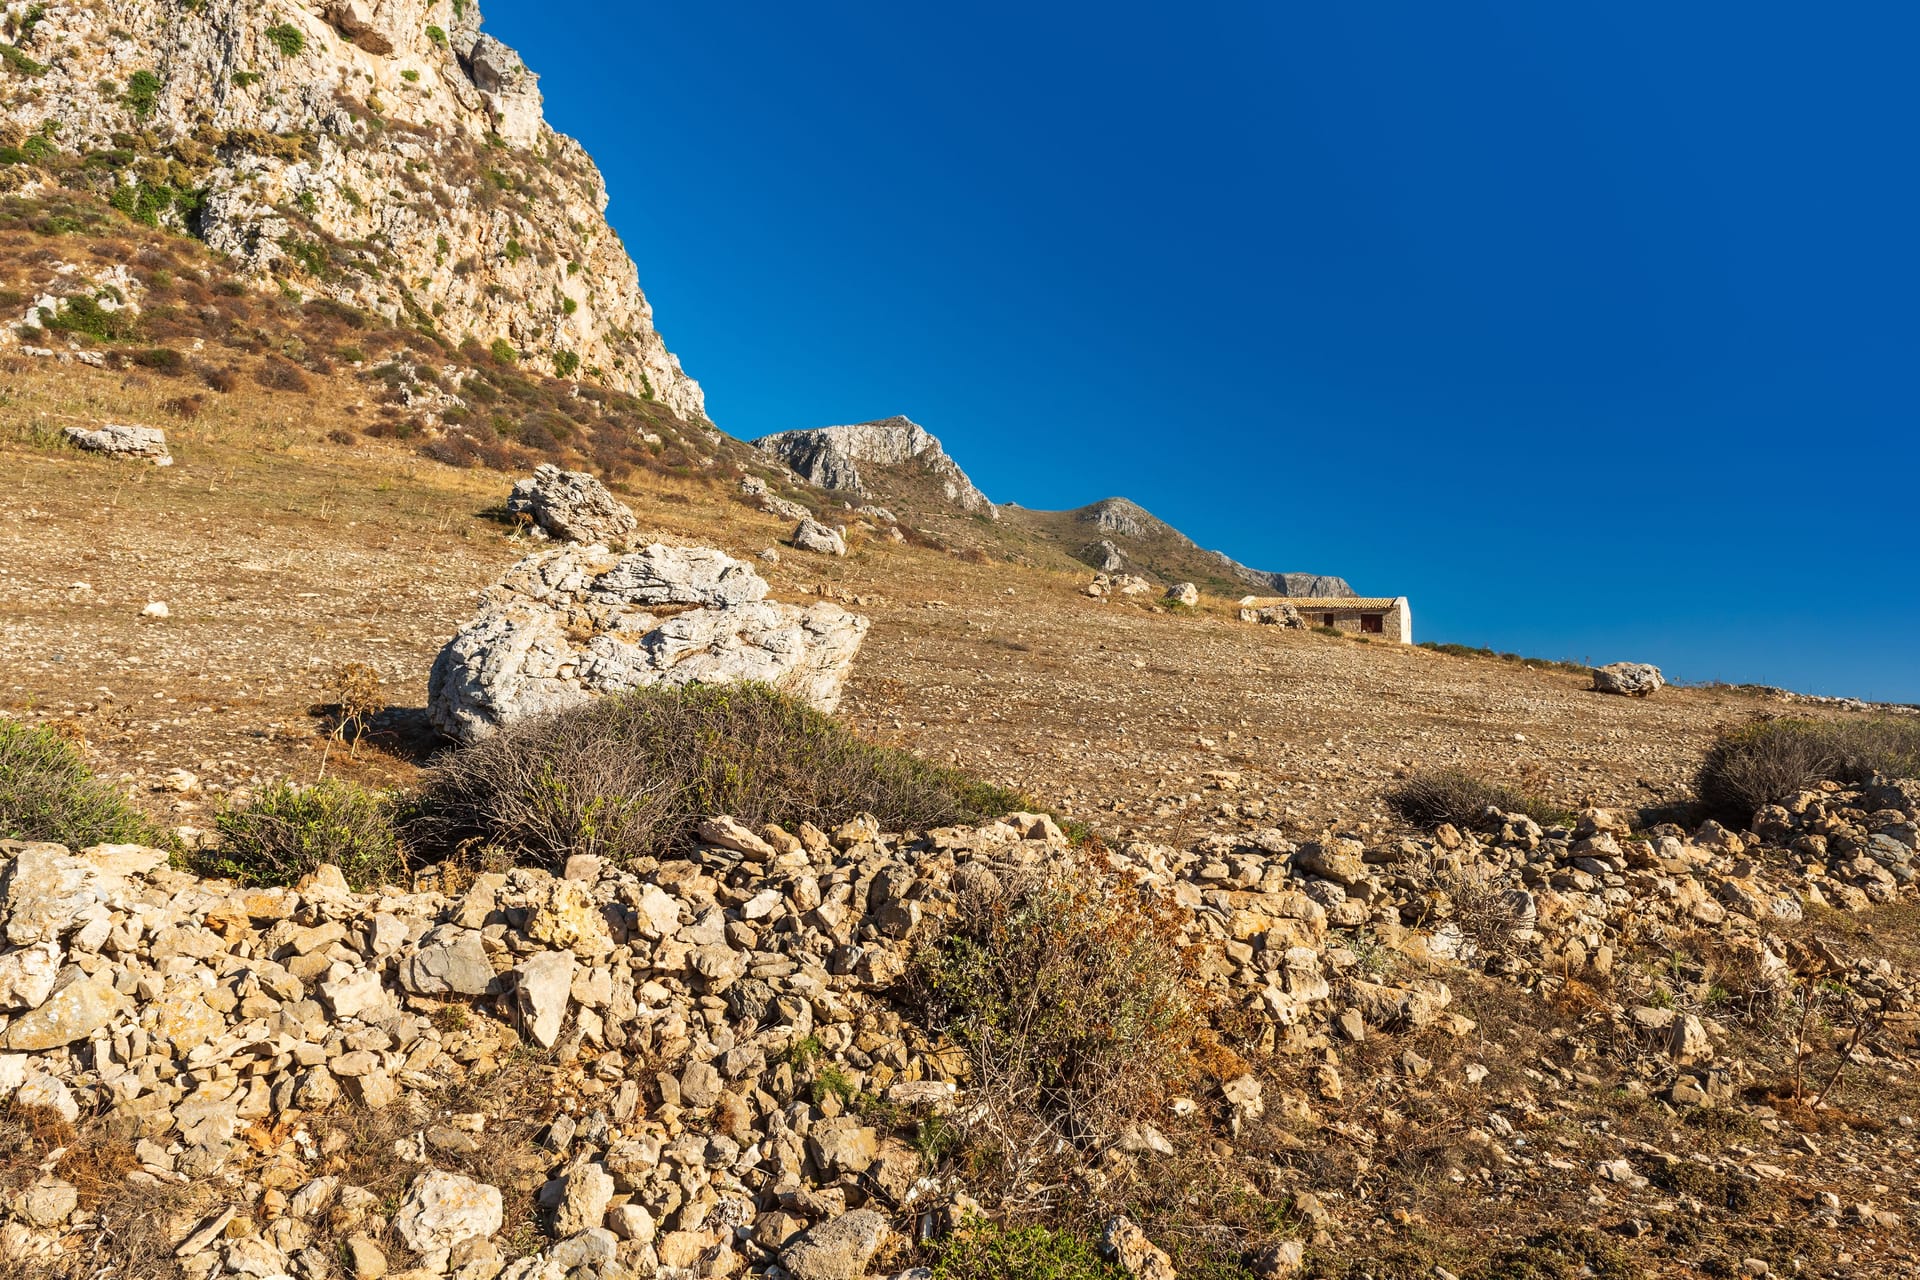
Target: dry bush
277,373
632,776
1072,999
1485,908
1434,796
356,697
185,408
1768,762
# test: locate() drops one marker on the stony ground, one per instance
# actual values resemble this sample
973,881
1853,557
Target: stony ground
282,558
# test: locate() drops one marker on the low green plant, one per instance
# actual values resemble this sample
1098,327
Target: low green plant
565,364
437,35
287,830
982,1250
19,63
633,775
1464,799
143,93
290,40
48,793
502,351
84,315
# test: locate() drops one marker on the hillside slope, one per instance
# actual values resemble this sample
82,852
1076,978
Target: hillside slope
391,157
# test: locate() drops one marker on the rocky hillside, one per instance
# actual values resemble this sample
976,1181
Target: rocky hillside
385,154
899,454
1116,535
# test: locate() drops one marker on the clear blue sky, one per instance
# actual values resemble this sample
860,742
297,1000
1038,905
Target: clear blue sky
1594,329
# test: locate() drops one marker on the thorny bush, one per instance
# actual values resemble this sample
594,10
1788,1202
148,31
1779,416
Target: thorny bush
1072,999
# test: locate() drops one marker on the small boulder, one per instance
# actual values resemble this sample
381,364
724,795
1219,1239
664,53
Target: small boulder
571,506
1630,679
811,535
838,1249
1183,593
1127,1245
115,440
444,1209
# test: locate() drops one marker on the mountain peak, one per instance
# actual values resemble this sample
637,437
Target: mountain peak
907,452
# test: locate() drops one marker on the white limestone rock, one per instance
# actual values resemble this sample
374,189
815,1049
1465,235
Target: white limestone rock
1630,679
571,506
566,626
811,535
148,443
444,1209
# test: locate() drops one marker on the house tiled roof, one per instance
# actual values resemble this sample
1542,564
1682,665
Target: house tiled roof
1325,604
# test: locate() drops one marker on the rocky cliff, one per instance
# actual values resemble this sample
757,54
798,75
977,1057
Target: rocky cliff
830,457
385,154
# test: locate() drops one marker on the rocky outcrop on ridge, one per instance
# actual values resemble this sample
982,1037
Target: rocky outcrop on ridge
830,457
1123,518
389,156
564,626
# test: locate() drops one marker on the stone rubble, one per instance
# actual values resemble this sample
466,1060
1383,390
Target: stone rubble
692,1006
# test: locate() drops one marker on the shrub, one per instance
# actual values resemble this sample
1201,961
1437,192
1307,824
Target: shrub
288,830
84,315
143,93
502,351
987,1251
1432,797
633,775
161,360
277,373
287,38
18,62
48,793
1071,998
1769,761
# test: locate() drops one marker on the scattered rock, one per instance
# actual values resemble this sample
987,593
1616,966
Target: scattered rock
838,1249
148,443
811,535
571,506
1632,679
444,1209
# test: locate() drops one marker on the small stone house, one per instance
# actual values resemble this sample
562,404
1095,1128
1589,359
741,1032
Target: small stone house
1390,618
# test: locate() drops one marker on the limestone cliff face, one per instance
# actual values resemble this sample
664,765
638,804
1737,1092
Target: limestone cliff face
830,457
384,153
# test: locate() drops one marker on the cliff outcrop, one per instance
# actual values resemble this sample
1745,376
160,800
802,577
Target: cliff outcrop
386,154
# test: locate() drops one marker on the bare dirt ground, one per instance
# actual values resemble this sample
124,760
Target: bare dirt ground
282,557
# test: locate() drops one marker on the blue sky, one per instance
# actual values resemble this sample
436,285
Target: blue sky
1595,330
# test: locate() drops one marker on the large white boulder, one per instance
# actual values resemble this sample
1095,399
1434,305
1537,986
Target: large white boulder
563,627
